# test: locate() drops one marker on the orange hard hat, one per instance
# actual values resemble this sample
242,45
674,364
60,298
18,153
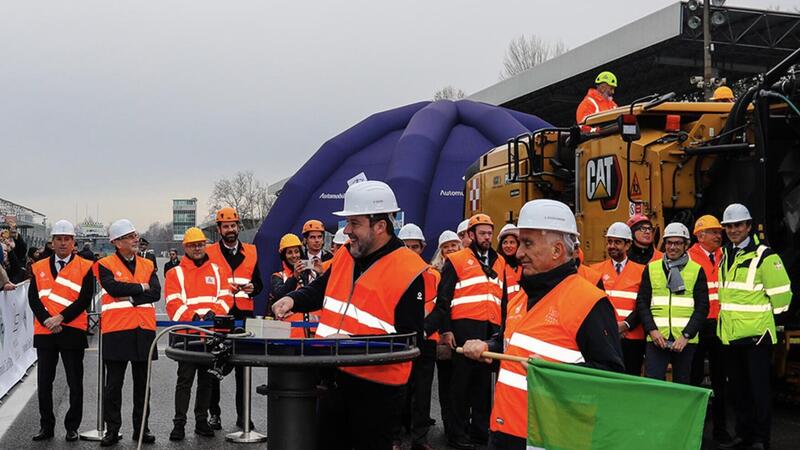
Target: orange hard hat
289,240
722,94
480,219
707,222
227,214
313,225
637,219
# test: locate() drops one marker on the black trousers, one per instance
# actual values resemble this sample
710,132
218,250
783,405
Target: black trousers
238,373
46,373
112,394
748,367
711,347
444,373
503,441
657,360
470,397
633,355
418,400
359,414
183,393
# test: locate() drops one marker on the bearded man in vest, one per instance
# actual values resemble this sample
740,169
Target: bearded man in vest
585,331
375,286
707,252
753,288
621,278
130,286
61,289
196,289
240,261
673,305
470,299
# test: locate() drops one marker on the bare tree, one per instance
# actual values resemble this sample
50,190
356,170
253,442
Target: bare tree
524,53
243,192
448,93
158,232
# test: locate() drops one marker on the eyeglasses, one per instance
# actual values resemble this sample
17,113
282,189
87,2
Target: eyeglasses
195,245
646,229
673,243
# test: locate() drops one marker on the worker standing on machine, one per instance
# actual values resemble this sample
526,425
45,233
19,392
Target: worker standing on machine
374,287
241,262
673,305
723,94
621,278
708,253
60,290
753,287
585,332
643,251
130,286
598,99
471,296
196,289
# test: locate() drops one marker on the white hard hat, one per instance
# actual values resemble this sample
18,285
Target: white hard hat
544,214
448,236
619,230
677,229
368,197
735,212
463,226
411,231
507,229
120,228
340,238
63,228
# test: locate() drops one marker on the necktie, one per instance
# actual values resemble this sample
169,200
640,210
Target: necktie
61,265
619,268
711,257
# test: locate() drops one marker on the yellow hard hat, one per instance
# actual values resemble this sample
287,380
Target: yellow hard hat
607,78
289,240
194,234
707,222
722,93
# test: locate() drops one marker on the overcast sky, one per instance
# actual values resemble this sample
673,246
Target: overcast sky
128,104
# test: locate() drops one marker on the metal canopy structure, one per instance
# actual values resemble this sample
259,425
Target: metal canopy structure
658,53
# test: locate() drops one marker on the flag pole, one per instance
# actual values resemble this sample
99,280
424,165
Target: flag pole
500,356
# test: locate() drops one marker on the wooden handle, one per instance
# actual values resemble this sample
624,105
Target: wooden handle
500,356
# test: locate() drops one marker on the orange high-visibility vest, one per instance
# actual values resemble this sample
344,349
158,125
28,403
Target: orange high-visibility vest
58,293
591,275
622,290
432,278
698,255
476,296
120,314
512,279
593,103
548,331
367,308
242,275
191,290
296,332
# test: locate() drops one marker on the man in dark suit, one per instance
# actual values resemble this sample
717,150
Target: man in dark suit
173,260
145,253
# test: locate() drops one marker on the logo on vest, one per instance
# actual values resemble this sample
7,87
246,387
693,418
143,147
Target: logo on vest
209,280
500,421
41,274
552,316
470,261
119,274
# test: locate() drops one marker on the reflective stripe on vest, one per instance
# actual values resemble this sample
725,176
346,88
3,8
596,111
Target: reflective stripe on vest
367,306
432,278
622,290
699,255
548,330
200,304
120,314
671,311
476,296
243,273
59,293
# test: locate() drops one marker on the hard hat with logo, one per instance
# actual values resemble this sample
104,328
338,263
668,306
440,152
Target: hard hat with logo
313,225
507,229
707,222
227,214
411,231
550,215
289,240
619,230
63,228
735,212
607,78
120,228
463,226
448,236
636,219
368,197
194,234
340,238
676,229
722,93
479,219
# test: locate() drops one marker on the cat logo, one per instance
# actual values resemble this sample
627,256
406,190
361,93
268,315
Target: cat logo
603,181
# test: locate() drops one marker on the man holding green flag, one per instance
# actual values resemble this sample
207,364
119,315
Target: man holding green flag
557,316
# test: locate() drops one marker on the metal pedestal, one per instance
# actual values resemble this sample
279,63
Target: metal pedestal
292,394
247,435
100,429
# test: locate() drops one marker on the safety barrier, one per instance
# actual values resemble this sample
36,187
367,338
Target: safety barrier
16,337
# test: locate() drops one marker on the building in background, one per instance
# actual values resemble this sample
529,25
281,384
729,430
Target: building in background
32,225
184,216
94,233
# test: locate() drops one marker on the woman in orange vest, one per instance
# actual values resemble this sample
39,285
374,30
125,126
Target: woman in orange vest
130,286
289,279
60,290
585,332
507,245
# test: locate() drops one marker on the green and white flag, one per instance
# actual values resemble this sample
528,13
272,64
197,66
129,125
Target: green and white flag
577,408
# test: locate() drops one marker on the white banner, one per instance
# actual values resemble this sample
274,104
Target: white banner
16,337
